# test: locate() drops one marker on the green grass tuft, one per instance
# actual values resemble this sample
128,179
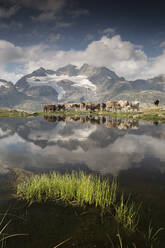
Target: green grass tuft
81,190
127,212
75,188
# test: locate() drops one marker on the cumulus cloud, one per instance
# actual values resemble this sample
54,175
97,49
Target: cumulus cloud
156,65
162,44
123,57
9,52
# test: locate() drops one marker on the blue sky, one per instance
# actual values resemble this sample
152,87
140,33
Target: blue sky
125,36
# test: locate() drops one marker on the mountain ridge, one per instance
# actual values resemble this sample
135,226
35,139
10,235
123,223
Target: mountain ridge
73,84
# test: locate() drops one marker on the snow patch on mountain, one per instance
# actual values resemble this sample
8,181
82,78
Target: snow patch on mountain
47,80
4,84
53,81
81,81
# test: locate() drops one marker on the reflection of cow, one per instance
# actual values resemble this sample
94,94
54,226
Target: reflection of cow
95,120
50,118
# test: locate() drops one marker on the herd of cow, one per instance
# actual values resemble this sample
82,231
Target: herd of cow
104,106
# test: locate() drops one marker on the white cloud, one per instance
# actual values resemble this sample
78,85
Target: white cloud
121,56
9,52
162,44
10,76
125,58
157,65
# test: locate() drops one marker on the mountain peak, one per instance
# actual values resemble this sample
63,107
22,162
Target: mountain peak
70,70
41,72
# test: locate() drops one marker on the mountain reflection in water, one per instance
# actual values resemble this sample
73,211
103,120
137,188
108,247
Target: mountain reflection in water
81,142
107,121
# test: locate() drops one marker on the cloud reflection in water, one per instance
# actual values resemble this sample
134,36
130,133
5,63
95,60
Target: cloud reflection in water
53,145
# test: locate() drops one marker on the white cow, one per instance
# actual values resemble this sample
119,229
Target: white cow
134,105
123,104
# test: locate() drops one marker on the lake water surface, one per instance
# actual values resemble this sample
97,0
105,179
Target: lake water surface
134,151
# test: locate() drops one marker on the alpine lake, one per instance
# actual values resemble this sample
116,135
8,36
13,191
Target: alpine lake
132,152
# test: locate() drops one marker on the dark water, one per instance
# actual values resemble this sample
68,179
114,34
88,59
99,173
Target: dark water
132,150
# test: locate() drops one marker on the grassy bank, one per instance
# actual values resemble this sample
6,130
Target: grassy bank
151,114
13,113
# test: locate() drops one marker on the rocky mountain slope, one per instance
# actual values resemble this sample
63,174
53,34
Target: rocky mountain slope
73,84
9,96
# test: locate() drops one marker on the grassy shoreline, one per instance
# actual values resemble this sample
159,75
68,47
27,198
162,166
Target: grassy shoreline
149,114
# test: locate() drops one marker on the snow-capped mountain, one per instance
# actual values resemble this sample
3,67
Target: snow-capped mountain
70,83
73,84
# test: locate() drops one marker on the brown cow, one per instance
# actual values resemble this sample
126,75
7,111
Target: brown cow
112,105
49,108
45,108
82,106
102,106
61,106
